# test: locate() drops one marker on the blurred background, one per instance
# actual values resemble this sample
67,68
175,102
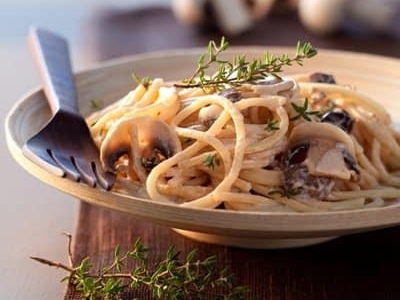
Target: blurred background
99,30
90,23
67,17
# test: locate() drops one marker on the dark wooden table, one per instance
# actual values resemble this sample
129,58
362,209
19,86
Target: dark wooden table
360,266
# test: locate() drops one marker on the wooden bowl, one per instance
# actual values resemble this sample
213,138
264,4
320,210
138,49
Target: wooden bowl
377,76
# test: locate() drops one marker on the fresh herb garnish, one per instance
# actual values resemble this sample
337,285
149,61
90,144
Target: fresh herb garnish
288,193
96,104
211,161
303,111
241,70
271,125
169,278
145,81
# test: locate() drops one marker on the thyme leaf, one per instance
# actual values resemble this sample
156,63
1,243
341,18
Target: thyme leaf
241,70
145,81
211,161
303,111
272,125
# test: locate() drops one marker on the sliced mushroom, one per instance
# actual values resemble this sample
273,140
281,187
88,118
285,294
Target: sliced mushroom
319,155
270,80
146,140
307,131
208,114
296,155
322,78
340,118
326,158
232,94
274,86
298,178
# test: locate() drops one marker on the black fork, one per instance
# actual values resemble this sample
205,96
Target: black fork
64,145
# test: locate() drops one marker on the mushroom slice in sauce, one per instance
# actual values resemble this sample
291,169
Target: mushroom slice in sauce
322,78
146,140
274,86
315,130
319,154
208,114
340,118
297,177
232,94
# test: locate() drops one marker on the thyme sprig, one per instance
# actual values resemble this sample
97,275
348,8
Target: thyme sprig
304,111
169,278
241,70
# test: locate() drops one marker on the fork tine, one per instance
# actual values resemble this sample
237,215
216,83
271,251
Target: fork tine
105,179
41,157
85,168
67,165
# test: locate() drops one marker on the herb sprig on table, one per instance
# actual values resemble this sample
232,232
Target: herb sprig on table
167,278
241,70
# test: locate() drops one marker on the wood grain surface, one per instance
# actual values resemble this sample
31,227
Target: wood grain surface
360,266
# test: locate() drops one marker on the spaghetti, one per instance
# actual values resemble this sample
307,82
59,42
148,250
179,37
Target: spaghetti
280,144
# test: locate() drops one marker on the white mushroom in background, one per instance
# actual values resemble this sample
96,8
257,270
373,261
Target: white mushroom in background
232,16
327,16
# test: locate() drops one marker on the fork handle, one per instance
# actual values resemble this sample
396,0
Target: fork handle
52,58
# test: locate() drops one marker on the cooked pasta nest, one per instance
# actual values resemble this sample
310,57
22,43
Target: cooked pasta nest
300,143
